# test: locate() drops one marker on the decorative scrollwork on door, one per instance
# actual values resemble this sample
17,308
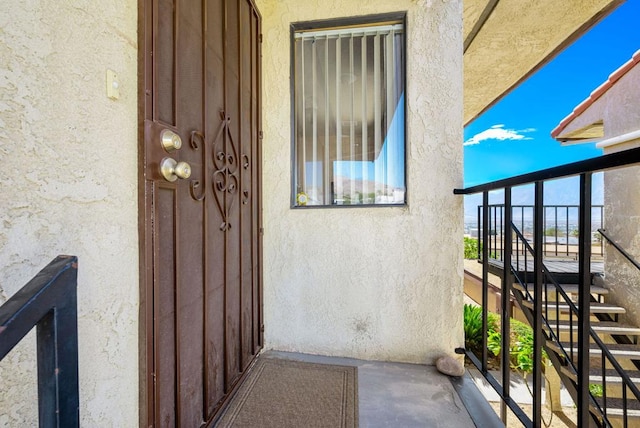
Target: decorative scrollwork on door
198,141
245,192
225,180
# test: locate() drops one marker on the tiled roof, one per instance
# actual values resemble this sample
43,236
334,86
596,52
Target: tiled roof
600,90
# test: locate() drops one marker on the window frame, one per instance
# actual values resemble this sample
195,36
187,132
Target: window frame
323,24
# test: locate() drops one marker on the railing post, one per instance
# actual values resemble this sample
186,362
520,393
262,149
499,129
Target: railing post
584,297
480,235
49,302
602,225
538,239
57,348
553,387
500,233
506,295
485,276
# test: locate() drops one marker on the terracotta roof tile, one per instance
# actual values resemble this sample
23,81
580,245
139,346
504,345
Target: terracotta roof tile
597,93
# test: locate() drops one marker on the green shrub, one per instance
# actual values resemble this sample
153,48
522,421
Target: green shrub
596,390
473,327
470,248
521,352
494,343
521,341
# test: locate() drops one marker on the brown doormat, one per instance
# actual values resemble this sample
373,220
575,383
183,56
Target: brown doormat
283,393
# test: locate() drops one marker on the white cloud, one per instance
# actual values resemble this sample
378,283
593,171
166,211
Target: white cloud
499,132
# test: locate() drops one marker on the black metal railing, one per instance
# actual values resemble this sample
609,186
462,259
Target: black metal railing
49,302
619,248
536,284
559,223
559,308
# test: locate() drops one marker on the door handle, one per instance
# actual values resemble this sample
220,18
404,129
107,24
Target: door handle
172,170
170,140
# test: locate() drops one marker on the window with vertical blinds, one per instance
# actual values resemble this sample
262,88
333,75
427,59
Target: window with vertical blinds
349,146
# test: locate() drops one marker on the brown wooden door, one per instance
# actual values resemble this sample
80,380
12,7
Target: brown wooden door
202,251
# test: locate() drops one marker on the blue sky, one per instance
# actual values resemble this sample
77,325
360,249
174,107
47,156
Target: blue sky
513,137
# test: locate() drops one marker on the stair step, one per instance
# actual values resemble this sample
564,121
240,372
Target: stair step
612,376
615,407
603,327
617,350
568,288
595,308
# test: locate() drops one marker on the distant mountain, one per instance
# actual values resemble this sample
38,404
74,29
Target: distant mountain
346,185
557,192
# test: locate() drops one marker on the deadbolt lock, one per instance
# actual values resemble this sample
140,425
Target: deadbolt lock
172,170
170,140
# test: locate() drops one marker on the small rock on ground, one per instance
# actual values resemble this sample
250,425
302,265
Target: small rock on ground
449,366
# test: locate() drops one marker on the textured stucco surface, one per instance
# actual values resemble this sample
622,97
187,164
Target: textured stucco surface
370,283
619,110
69,186
516,38
622,222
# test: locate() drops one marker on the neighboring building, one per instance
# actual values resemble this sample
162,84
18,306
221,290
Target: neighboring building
182,282
611,116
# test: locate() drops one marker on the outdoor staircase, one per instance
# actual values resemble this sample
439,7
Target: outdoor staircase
617,406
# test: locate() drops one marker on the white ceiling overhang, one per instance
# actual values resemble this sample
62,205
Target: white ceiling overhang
505,41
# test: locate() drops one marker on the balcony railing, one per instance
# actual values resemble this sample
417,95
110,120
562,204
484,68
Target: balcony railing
49,302
525,276
559,224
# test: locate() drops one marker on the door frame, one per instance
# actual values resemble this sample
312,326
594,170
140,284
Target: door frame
145,250
146,379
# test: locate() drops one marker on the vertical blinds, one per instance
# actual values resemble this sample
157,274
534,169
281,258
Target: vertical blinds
348,86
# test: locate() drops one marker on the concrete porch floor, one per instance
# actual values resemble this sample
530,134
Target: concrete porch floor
410,395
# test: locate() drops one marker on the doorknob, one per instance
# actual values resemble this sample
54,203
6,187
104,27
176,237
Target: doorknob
172,170
170,140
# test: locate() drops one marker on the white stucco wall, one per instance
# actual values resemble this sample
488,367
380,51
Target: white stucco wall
622,222
69,186
372,283
619,110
